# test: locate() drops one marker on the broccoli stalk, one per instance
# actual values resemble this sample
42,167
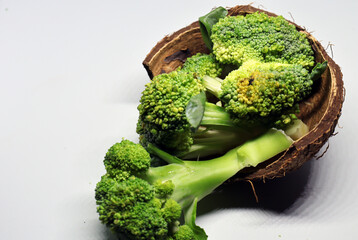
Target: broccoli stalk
143,202
196,179
213,131
213,85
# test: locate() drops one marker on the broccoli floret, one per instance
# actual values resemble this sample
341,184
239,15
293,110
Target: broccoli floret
202,64
115,159
169,106
148,204
162,109
237,39
184,233
262,93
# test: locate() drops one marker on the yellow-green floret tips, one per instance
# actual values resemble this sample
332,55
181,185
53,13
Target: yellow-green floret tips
264,91
202,64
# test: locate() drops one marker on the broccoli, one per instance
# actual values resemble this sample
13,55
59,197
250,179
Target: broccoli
263,90
202,64
263,93
162,109
142,202
237,39
200,110
174,114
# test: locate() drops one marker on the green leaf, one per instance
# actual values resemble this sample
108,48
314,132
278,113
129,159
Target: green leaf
190,217
318,70
207,22
194,111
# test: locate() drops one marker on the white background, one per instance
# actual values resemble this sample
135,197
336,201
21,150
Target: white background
70,79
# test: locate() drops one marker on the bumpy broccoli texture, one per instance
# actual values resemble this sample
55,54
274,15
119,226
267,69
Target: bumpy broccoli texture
237,39
142,202
164,111
130,205
262,93
203,65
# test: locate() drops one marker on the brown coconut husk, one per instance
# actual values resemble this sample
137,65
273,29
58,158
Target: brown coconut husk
320,111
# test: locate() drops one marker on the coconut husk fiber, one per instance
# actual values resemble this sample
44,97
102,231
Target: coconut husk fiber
320,111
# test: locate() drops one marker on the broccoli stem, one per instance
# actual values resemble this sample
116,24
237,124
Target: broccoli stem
213,85
211,141
197,179
216,116
200,112
296,129
214,130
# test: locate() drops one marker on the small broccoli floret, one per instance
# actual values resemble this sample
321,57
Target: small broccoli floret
265,93
162,109
237,39
119,198
149,204
202,64
184,233
117,161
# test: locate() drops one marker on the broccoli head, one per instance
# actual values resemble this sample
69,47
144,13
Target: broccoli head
117,162
147,203
202,64
162,109
237,39
264,91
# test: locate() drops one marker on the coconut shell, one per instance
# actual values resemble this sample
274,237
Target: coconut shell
320,111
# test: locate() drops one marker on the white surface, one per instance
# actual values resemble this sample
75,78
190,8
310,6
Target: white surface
71,77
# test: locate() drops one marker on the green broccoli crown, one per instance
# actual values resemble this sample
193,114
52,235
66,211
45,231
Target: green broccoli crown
264,91
164,100
237,39
130,205
202,64
164,189
130,208
162,118
103,187
126,157
184,233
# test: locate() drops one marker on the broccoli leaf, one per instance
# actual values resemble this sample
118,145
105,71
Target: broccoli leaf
206,23
195,110
190,217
